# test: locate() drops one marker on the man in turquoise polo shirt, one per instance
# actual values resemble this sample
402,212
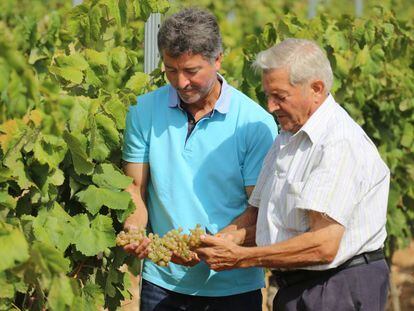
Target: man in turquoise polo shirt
194,149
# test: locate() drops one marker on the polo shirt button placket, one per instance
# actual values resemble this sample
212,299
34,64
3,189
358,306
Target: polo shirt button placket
190,131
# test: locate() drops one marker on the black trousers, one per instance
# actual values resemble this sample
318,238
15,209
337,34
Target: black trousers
156,298
363,287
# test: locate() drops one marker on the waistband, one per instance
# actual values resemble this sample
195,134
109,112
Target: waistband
288,278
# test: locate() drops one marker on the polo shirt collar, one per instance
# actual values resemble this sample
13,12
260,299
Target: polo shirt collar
222,104
316,124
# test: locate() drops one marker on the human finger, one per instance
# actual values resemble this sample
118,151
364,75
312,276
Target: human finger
209,240
142,250
189,262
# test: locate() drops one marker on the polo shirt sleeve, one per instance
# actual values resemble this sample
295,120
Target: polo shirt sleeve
254,199
259,138
334,186
136,134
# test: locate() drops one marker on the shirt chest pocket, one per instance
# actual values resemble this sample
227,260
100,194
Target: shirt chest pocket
294,217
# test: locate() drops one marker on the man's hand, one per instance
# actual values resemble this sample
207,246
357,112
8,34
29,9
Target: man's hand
229,236
177,259
219,253
242,230
140,250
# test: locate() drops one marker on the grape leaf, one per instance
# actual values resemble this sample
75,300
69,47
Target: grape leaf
54,226
77,146
137,82
95,236
96,58
6,200
68,73
7,289
117,110
75,61
50,150
107,129
47,259
107,176
91,298
61,293
119,58
94,198
14,248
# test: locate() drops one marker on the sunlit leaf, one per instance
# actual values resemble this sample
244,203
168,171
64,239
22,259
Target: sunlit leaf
94,198
94,236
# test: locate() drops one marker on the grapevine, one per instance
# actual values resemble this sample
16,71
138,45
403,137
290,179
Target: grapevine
161,249
68,77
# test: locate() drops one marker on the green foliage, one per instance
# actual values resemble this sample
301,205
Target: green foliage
68,77
14,246
373,62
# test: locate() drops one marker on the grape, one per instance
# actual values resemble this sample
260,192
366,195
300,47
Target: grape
174,241
158,252
194,238
130,236
162,249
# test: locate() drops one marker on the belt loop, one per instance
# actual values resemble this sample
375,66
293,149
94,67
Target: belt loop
366,258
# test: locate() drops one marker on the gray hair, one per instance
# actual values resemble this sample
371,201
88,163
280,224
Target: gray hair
191,30
303,59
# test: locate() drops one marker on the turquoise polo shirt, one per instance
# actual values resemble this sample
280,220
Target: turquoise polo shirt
200,180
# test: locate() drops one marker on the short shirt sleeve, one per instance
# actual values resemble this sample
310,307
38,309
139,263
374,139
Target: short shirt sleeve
335,184
137,134
259,139
254,199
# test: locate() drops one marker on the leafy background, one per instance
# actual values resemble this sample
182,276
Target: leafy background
67,78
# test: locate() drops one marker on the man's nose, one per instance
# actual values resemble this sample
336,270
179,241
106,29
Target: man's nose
182,81
272,105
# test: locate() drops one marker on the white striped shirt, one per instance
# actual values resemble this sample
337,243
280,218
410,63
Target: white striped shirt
330,166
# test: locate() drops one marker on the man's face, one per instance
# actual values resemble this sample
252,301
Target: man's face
191,75
291,105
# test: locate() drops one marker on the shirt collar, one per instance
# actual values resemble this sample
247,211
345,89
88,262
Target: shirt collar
316,124
222,104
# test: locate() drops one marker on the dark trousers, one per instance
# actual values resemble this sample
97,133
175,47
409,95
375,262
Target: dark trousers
363,287
155,298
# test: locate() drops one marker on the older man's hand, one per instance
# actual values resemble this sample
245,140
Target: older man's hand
219,253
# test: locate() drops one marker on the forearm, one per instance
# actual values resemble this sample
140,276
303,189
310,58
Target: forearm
245,236
243,228
307,249
139,217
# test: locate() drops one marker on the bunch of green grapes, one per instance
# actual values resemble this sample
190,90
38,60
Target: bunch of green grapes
158,252
194,238
129,236
162,249
177,243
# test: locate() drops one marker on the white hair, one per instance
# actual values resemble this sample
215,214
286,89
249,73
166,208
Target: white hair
303,59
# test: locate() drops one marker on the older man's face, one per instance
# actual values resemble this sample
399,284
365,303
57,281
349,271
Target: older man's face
191,75
292,105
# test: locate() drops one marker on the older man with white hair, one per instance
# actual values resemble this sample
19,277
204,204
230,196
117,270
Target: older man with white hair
320,202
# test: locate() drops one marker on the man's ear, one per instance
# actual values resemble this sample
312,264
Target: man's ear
318,90
217,62
318,87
